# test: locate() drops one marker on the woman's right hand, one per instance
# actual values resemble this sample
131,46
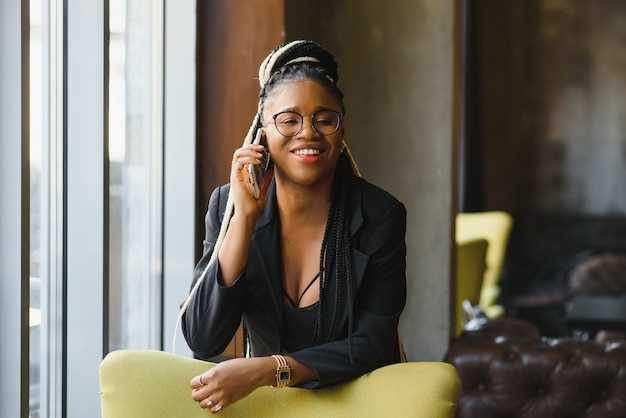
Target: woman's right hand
243,194
233,254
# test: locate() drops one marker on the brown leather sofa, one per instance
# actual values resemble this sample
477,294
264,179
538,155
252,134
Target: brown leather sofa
508,370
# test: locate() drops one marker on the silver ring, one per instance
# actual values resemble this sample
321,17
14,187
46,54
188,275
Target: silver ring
208,402
218,408
200,379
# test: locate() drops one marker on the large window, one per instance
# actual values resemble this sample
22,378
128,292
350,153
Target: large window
104,209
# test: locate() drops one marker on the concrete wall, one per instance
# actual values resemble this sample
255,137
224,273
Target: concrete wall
396,71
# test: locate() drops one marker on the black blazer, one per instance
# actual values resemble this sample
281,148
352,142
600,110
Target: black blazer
378,229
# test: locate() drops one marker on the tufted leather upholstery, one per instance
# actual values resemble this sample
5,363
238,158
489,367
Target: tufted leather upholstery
508,370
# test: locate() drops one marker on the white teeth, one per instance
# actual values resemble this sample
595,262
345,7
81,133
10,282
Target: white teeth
307,152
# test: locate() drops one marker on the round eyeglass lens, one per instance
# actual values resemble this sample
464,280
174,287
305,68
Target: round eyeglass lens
325,122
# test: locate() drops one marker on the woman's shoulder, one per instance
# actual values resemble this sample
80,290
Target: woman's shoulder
218,199
219,193
374,206
376,214
372,195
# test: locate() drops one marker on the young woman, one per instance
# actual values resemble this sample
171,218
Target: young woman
315,266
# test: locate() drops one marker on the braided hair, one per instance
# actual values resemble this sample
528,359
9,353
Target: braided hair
294,61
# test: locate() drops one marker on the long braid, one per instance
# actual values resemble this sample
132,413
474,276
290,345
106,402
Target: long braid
336,254
336,248
320,328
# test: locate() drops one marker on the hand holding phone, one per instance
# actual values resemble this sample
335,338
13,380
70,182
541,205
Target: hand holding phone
257,171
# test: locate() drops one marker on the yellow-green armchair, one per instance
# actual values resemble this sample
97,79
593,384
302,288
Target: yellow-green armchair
471,257
147,383
495,227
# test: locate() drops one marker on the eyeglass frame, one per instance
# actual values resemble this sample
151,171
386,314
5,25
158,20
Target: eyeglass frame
339,115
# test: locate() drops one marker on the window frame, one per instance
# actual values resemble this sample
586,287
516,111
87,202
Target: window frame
14,210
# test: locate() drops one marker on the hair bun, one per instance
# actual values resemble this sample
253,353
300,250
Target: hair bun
298,51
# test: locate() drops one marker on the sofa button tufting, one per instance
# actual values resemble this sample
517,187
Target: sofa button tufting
525,370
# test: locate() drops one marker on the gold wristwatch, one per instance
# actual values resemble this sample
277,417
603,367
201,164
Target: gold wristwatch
283,372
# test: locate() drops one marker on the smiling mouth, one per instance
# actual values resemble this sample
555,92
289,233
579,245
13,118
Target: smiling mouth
307,152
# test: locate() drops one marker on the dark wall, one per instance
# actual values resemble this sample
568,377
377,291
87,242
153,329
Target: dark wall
551,105
546,133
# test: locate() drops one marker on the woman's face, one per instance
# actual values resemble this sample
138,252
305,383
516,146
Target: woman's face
308,157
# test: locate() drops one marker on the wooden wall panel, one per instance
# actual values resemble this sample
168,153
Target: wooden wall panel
233,39
234,36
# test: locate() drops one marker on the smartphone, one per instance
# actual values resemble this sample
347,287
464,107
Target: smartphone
257,171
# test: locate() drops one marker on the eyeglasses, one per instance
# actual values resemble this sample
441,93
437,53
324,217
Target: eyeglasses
324,122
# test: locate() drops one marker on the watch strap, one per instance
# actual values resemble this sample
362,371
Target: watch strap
283,372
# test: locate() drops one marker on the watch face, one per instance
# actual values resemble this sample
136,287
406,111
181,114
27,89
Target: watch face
283,375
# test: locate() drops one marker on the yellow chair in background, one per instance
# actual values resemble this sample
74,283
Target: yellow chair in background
495,227
470,269
148,383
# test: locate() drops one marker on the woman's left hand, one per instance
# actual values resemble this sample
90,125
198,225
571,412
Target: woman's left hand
230,381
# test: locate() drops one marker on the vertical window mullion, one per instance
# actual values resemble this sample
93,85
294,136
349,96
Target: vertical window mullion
15,207
53,358
179,138
156,137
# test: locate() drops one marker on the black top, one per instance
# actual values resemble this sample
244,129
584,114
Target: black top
299,327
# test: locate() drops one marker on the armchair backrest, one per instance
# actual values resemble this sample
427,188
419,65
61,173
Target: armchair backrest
470,269
147,383
495,227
